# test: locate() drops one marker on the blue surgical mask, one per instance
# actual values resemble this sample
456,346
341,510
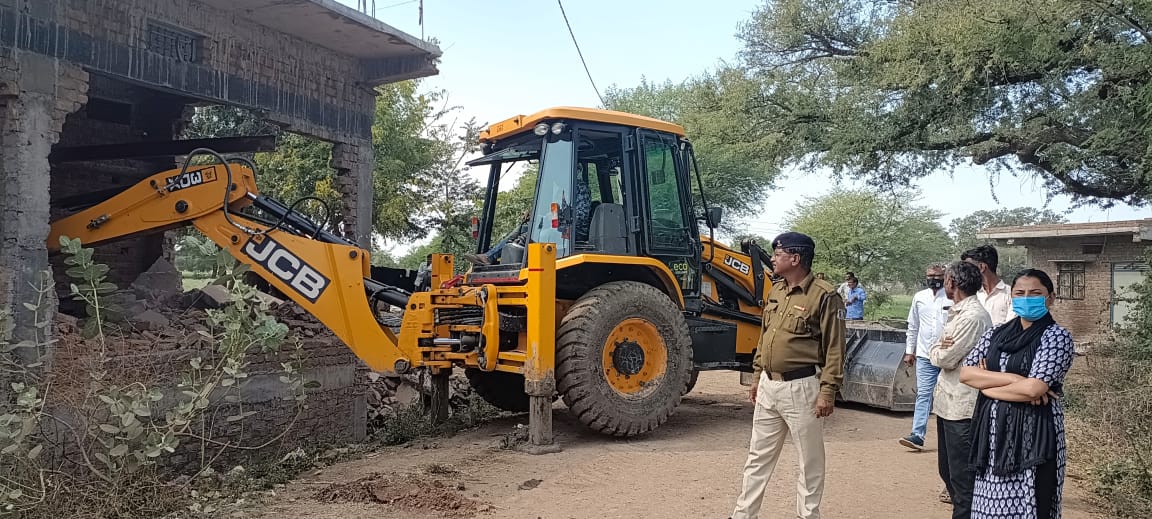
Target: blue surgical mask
1030,308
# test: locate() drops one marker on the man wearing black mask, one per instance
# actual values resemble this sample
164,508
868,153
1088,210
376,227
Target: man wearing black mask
926,320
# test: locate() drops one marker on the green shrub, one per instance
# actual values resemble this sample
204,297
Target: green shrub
98,447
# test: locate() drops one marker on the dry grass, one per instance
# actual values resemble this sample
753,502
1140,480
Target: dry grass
1109,428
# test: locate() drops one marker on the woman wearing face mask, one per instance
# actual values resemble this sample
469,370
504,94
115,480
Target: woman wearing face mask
1018,424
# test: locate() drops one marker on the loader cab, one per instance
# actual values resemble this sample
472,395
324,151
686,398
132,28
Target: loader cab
608,184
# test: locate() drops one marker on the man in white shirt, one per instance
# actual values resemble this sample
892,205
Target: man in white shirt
954,401
994,293
926,320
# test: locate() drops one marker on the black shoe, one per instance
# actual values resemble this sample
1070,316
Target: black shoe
913,442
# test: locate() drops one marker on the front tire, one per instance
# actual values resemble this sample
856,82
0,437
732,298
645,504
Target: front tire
623,358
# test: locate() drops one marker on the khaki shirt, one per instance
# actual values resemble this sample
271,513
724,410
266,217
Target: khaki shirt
967,322
803,326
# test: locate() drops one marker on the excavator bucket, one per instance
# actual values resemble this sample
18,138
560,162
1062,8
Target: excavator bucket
874,370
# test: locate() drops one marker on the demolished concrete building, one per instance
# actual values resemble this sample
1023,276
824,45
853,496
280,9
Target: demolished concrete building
94,93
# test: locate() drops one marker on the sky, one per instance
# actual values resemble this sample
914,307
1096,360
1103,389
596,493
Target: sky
510,57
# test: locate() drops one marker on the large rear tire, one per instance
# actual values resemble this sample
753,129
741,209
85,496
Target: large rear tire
623,358
503,390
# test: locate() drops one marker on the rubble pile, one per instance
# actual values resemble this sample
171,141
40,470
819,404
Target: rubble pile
389,393
160,318
441,494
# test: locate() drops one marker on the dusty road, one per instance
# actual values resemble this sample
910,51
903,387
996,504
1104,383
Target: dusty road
689,468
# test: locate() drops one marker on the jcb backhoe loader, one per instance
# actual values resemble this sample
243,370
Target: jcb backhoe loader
613,301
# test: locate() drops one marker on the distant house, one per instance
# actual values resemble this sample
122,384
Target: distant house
1093,265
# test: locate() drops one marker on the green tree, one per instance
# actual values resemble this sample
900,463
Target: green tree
410,152
298,168
227,121
894,90
764,242
964,230
454,197
885,239
733,155
457,238
1012,258
513,203
417,155
665,101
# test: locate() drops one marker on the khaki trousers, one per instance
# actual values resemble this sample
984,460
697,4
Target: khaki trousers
784,409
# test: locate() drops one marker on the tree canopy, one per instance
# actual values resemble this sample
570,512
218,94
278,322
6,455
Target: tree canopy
418,185
737,171
884,239
1012,258
964,230
895,89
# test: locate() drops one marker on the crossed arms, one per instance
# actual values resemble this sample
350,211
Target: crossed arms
1009,387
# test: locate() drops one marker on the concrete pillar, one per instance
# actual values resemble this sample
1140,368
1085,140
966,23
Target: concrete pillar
36,95
354,162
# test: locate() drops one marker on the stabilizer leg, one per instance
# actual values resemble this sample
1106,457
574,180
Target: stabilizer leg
540,369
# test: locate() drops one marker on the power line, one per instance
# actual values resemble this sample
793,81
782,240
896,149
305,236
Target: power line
398,4
581,54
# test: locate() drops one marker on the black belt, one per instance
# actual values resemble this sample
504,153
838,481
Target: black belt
806,371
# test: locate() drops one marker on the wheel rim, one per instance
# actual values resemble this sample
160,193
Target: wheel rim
635,358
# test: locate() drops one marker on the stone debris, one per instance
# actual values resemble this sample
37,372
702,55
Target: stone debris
155,318
149,320
160,282
389,393
210,296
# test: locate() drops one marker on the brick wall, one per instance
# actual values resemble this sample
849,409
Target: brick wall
46,47
36,94
1089,318
149,115
316,90
332,413
354,163
308,88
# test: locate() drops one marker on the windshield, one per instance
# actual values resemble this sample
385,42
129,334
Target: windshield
551,204
551,216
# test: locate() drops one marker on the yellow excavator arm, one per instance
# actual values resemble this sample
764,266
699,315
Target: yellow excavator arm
327,275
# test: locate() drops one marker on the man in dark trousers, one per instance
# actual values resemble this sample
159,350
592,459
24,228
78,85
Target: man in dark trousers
799,366
954,401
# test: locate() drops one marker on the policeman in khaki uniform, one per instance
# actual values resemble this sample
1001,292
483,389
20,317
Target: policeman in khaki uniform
799,366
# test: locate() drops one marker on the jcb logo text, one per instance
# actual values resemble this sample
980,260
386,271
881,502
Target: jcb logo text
731,261
190,179
287,267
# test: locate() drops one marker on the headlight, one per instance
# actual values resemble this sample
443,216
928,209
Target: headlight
557,128
540,129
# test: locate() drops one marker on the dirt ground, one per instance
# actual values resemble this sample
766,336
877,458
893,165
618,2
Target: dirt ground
688,468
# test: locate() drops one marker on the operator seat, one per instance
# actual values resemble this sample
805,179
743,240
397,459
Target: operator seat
608,231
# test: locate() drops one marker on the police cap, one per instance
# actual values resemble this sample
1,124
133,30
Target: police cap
790,240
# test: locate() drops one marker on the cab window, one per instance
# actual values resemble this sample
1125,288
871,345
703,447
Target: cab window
668,223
